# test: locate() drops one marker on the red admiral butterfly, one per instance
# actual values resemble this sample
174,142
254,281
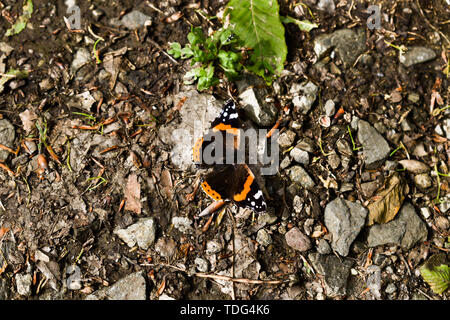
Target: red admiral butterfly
234,182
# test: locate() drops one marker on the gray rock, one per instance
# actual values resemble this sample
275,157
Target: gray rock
373,281
329,108
263,237
423,180
447,128
286,139
82,56
390,288
306,144
326,5
182,135
300,156
300,176
348,43
368,188
183,224
414,166
133,20
333,160
132,287
7,136
297,240
266,218
442,222
141,233
334,270
323,247
213,246
166,247
416,229
304,95
23,284
375,147
344,148
201,264
5,290
344,219
286,162
74,279
389,233
415,55
405,230
252,94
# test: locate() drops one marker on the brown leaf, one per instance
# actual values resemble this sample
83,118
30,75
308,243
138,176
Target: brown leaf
389,200
133,194
28,118
3,230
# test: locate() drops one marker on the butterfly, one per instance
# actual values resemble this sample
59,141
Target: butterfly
235,181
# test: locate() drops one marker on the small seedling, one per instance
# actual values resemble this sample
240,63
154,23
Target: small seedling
402,49
438,175
218,50
353,141
321,148
95,51
103,180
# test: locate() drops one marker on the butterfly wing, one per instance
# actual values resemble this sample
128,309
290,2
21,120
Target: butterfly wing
247,192
227,123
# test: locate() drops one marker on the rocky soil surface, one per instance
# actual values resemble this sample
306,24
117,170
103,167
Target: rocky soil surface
100,203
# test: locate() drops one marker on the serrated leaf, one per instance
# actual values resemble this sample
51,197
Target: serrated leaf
257,24
22,21
304,25
438,278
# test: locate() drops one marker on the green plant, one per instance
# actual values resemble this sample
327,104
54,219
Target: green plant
22,21
255,26
353,141
219,50
438,277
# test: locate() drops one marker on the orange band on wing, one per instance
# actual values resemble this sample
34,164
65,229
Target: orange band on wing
196,150
210,192
226,127
241,196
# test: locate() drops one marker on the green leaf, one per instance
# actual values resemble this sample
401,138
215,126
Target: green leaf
437,277
304,25
11,74
175,50
196,36
257,24
22,21
186,52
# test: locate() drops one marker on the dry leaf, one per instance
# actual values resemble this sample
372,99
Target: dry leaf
161,287
133,194
28,118
3,230
389,200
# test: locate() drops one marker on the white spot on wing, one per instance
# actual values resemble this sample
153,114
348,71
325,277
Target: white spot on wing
258,195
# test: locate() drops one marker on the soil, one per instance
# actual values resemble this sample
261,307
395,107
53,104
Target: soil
66,213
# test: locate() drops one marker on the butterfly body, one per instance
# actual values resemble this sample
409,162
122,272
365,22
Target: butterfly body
227,181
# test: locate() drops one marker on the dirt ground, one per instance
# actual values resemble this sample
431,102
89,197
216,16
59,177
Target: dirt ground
67,215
